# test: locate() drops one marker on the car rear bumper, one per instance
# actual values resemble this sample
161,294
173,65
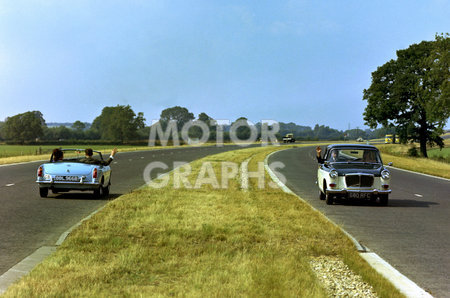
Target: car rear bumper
69,185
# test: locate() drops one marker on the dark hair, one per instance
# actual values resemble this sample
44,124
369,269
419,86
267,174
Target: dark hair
57,154
88,152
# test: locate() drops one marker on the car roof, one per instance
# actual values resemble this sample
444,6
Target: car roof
351,146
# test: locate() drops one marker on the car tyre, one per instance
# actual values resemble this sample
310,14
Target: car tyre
384,199
105,190
321,195
98,192
43,192
329,199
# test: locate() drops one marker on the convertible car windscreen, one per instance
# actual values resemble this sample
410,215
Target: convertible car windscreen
354,155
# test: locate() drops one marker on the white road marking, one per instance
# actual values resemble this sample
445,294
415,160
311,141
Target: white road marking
418,195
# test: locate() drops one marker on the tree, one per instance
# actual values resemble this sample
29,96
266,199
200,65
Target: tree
78,125
23,127
177,113
412,93
243,130
118,123
58,133
1,130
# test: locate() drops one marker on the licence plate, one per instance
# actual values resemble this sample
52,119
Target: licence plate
67,178
359,195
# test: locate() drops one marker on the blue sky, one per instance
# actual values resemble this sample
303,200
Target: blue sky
292,61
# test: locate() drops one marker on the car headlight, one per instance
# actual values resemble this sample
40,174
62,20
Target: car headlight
385,174
333,174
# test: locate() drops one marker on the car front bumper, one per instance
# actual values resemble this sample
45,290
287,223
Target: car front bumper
345,192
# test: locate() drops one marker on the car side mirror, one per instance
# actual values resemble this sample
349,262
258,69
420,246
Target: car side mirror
390,164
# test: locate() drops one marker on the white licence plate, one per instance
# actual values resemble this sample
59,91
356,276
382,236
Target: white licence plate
67,178
359,195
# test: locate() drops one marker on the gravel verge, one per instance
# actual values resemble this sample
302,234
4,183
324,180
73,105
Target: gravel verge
339,280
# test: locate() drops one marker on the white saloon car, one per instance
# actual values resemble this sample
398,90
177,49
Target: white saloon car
353,172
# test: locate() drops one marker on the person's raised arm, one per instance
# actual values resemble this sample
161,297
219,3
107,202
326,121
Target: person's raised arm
319,154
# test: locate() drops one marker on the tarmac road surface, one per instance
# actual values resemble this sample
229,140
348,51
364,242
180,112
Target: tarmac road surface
412,233
28,222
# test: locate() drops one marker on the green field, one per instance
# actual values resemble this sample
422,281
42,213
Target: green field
25,150
438,154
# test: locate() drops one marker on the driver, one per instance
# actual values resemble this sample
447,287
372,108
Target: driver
90,160
333,156
57,155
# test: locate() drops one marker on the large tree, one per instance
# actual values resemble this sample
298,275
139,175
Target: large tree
24,127
177,113
411,93
118,123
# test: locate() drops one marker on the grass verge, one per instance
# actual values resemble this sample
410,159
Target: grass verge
203,241
397,154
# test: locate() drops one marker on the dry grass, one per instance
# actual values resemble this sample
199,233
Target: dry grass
398,155
198,242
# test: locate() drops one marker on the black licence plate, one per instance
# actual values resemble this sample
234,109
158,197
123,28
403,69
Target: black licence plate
67,178
359,195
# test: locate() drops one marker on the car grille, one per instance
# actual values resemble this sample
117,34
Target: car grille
359,180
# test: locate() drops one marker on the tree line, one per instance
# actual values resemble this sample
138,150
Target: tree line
121,124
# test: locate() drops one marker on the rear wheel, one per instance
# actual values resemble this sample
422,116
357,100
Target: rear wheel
105,190
98,193
43,192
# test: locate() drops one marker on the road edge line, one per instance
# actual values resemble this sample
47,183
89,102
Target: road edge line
406,286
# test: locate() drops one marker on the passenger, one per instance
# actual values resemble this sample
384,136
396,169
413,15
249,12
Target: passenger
369,156
91,160
57,155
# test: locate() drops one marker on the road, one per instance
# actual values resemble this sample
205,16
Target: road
28,222
412,233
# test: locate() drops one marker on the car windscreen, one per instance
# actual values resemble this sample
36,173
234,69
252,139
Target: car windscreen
354,155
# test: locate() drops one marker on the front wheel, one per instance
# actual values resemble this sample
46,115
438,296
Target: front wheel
384,199
321,195
329,199
43,192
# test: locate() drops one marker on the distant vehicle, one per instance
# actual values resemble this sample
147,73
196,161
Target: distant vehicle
353,171
388,139
289,138
360,139
71,174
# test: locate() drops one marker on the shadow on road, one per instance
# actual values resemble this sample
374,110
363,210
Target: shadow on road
392,203
411,203
83,196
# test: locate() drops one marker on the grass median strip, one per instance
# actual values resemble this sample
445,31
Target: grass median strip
209,239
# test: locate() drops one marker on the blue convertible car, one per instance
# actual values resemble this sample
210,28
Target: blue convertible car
70,173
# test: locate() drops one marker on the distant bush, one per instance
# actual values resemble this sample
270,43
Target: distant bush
413,152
